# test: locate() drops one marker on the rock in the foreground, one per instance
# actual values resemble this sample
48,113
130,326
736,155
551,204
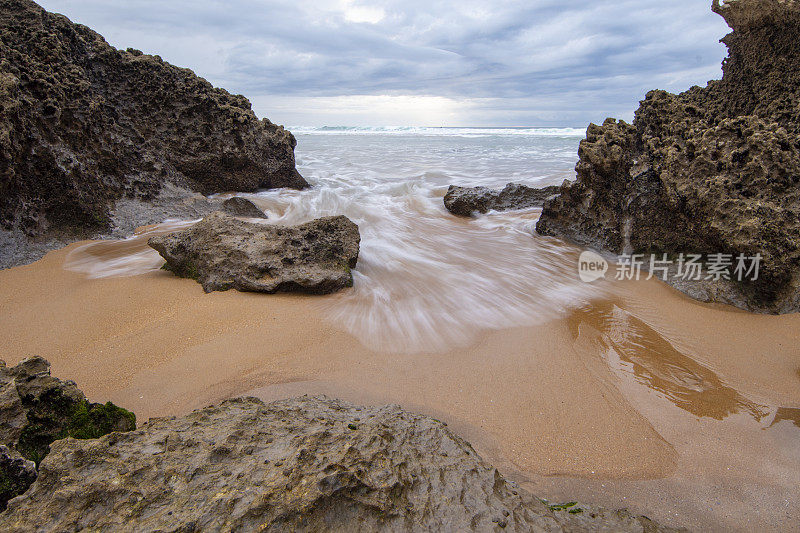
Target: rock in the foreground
713,170
84,125
222,252
465,201
35,410
306,464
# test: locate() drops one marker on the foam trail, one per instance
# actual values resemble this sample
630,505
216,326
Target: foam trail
127,257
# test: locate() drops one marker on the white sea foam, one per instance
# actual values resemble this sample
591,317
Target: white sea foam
439,132
127,257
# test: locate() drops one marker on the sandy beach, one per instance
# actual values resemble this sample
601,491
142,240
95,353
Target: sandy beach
638,400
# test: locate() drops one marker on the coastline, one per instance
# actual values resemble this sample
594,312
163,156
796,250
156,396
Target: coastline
538,402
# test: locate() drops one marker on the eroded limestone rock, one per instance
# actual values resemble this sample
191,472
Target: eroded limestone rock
242,207
223,252
466,201
37,409
712,170
84,124
305,464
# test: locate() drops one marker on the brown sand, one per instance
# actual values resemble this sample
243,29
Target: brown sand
682,411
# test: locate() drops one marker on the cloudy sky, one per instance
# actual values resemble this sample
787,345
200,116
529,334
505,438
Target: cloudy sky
424,62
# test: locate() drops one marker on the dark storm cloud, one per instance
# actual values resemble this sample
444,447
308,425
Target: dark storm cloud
554,62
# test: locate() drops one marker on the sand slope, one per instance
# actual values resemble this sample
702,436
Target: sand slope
647,400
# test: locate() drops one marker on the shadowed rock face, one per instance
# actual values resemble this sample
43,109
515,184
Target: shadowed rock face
222,252
37,409
83,124
306,464
16,474
242,207
711,170
465,201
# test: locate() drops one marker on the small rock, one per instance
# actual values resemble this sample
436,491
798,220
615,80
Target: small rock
465,201
242,207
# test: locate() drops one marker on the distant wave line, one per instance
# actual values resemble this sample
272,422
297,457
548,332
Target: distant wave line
443,131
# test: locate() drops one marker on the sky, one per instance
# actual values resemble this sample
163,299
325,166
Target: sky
424,62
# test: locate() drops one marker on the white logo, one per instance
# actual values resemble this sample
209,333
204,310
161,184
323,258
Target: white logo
591,266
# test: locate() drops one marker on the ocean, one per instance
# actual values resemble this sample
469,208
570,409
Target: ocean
427,280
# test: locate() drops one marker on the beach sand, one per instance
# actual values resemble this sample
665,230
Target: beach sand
682,411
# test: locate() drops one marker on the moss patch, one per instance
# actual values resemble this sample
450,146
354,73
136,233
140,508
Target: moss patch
91,421
55,416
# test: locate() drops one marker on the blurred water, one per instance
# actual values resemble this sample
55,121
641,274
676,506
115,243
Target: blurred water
427,280
126,257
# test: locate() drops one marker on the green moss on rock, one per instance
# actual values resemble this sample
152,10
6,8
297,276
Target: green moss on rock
56,416
40,409
48,415
93,420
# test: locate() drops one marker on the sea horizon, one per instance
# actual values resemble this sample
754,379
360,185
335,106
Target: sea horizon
561,131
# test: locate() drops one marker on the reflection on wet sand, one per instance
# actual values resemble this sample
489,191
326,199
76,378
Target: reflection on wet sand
655,362
789,414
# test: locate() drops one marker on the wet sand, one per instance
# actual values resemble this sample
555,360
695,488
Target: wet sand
643,399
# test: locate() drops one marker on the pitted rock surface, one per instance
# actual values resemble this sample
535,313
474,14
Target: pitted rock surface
83,125
713,170
223,252
466,201
305,464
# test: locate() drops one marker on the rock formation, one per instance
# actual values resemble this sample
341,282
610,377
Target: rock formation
16,474
35,410
465,201
710,170
83,125
242,207
306,464
223,252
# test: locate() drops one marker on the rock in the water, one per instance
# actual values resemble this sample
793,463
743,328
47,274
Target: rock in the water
84,124
242,207
714,170
37,409
306,464
465,201
222,252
